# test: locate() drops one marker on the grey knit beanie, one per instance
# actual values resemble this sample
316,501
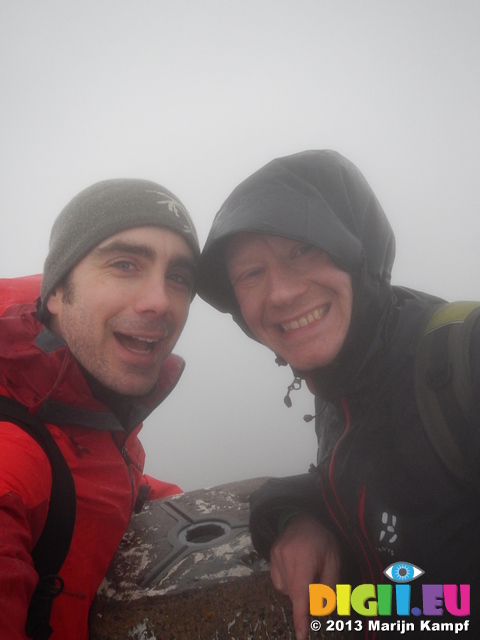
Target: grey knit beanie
103,210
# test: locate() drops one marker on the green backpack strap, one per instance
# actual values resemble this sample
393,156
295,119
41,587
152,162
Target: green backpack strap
443,386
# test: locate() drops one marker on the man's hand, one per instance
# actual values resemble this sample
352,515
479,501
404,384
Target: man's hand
306,552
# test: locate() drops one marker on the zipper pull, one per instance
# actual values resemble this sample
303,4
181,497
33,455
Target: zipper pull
128,459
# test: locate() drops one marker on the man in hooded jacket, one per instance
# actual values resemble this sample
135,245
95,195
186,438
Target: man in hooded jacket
87,349
301,255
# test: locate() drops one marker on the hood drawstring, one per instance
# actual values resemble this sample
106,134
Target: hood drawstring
295,386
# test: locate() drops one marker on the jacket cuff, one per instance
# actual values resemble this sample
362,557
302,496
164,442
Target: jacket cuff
274,503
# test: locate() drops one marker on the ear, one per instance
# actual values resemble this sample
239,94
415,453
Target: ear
54,301
54,306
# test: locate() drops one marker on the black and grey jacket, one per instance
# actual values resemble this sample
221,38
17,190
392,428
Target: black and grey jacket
378,482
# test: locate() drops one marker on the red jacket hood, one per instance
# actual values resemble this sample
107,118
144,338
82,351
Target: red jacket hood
18,290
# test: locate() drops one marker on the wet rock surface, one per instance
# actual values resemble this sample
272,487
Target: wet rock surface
186,570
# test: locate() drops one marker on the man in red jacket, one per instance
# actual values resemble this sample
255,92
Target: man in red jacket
91,357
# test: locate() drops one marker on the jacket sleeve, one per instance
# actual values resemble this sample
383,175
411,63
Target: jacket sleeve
278,497
25,483
159,489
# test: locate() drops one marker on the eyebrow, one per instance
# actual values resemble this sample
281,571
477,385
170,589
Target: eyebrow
145,251
118,246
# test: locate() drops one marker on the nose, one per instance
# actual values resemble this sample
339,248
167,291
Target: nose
284,287
153,297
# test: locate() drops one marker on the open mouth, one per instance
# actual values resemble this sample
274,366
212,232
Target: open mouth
304,321
137,344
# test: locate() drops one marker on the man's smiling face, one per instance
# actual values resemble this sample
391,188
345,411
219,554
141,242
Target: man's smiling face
124,306
292,296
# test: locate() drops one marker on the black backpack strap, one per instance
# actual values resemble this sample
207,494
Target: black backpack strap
443,386
52,547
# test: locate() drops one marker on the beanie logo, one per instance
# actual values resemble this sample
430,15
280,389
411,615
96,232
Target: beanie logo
175,207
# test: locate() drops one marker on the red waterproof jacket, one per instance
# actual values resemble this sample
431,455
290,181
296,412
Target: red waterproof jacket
106,460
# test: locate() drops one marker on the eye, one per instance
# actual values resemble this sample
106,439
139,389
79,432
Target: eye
307,250
183,280
179,279
304,249
123,265
247,277
252,273
403,572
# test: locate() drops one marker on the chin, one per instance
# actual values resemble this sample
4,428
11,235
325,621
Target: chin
132,389
140,391
307,364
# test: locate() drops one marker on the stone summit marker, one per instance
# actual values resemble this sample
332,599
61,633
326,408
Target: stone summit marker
186,570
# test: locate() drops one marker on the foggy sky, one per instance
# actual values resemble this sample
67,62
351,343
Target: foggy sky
196,95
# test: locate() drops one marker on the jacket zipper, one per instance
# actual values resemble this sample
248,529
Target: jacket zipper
122,448
330,508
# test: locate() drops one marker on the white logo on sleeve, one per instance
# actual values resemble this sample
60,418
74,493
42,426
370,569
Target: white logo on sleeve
389,523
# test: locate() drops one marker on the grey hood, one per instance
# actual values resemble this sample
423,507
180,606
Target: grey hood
320,198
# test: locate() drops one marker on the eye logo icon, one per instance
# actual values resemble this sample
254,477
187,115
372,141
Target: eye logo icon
403,572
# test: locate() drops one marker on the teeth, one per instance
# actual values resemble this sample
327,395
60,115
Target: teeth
138,344
304,321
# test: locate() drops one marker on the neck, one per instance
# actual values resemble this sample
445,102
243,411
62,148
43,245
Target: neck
122,406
